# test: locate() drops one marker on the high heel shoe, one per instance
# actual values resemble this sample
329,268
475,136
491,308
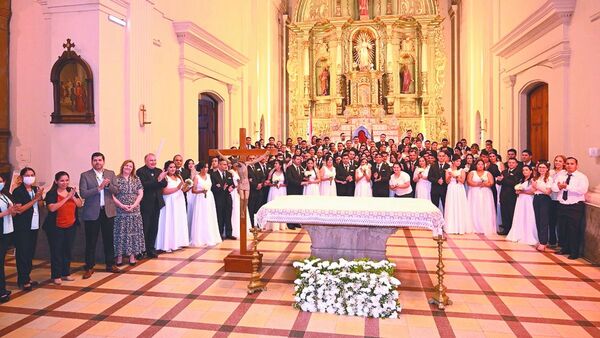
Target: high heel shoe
57,281
5,296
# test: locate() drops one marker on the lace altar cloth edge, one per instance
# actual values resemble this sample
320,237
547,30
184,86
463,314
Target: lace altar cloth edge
361,211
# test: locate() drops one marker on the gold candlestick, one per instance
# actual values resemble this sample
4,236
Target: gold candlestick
439,297
255,285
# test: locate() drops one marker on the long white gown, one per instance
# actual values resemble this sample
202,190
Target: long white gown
363,187
456,212
172,222
327,187
235,205
205,227
312,189
274,193
423,187
482,207
524,229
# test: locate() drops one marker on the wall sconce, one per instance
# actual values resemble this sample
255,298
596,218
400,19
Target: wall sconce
142,115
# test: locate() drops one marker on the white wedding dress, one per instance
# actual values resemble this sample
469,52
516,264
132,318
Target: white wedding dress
456,212
312,189
172,222
423,187
274,193
363,187
524,229
205,227
327,187
482,207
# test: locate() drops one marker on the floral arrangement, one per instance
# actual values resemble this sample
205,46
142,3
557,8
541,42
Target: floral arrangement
455,173
189,182
356,288
205,188
519,187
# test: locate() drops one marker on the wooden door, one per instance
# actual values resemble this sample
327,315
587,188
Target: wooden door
207,126
537,119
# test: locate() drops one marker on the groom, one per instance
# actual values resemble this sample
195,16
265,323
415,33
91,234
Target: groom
293,178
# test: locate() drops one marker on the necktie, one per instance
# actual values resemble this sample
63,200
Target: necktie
298,170
441,167
346,167
379,167
566,193
223,175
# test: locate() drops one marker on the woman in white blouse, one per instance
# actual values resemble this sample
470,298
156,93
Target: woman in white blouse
542,187
400,182
554,230
7,211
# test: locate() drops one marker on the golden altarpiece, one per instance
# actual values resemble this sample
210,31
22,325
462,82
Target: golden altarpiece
366,67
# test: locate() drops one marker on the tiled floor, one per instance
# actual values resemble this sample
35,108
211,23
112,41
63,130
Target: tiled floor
499,289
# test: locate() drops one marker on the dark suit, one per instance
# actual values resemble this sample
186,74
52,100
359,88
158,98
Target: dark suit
341,174
151,204
438,191
265,169
293,179
379,144
508,197
223,201
409,168
256,177
98,218
381,184
24,237
493,169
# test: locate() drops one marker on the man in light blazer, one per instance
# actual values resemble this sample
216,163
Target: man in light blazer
95,186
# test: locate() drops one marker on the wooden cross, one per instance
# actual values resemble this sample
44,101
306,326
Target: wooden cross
241,261
68,45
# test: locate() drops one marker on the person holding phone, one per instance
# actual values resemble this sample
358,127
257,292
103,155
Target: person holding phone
62,202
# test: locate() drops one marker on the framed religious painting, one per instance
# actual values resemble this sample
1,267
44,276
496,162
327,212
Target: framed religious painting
73,88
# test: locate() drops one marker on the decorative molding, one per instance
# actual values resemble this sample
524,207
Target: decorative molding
550,15
193,35
112,7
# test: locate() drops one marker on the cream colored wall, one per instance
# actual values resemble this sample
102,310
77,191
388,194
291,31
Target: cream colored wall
498,71
147,63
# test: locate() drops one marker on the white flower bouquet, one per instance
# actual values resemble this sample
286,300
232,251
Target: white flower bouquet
519,187
420,170
356,288
455,173
189,182
484,178
205,187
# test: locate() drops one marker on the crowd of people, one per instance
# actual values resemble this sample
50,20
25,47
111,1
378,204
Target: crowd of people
141,213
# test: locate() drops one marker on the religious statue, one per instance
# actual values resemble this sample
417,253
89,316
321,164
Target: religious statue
364,51
405,79
324,78
363,7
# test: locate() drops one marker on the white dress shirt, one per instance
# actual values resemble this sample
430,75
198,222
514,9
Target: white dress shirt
100,178
35,219
8,220
576,189
542,186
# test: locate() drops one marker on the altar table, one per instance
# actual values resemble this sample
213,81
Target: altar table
352,227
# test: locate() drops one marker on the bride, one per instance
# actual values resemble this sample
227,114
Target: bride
363,179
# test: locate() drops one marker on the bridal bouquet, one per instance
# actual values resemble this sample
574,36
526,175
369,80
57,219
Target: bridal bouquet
205,188
189,182
484,178
276,183
519,187
455,173
356,288
420,170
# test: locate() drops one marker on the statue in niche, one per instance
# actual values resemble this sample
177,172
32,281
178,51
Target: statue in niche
363,7
365,53
406,79
324,79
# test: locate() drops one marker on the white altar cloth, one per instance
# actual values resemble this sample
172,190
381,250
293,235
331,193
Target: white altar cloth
353,211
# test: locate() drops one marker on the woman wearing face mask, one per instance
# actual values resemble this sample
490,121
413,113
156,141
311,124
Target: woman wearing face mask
7,211
26,223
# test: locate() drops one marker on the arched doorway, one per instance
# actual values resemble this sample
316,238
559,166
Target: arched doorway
208,117
537,121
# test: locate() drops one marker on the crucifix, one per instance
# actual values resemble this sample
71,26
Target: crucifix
241,261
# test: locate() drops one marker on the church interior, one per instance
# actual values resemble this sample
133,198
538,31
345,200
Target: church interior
132,77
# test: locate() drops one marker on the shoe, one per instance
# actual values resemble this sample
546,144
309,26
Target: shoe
563,252
291,227
298,226
132,263
572,257
68,278
152,255
502,233
232,237
57,281
113,269
139,256
119,264
5,296
88,273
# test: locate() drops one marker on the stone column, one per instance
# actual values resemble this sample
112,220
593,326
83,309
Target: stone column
454,12
5,166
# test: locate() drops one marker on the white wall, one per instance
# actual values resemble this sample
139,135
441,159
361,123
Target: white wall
505,51
147,63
